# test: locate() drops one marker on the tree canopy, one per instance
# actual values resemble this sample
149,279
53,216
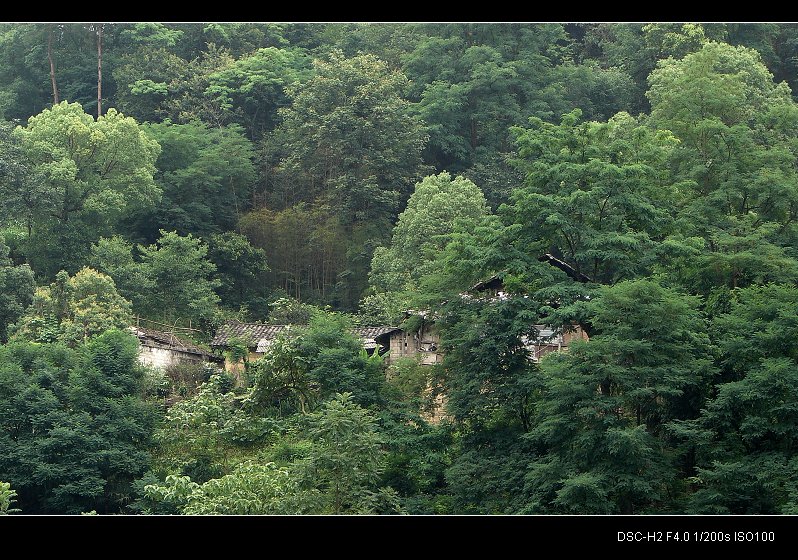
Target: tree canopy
589,231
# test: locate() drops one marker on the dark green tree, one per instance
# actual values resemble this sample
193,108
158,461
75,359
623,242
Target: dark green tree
349,139
491,386
16,290
596,194
599,429
242,272
206,175
744,440
347,458
75,434
307,365
252,89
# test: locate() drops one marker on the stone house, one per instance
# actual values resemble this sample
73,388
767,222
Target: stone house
423,344
162,349
553,340
549,339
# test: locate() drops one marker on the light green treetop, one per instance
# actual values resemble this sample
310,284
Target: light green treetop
104,166
72,309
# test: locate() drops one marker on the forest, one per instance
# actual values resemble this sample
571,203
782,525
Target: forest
334,176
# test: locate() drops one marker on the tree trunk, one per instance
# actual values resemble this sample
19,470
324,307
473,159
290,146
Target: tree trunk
99,70
52,66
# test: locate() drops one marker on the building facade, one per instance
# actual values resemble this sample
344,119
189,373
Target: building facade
160,349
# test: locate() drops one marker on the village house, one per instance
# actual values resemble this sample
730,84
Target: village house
163,349
258,337
548,339
422,343
553,340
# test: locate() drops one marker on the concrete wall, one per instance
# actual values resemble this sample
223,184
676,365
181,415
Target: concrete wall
424,344
568,337
164,357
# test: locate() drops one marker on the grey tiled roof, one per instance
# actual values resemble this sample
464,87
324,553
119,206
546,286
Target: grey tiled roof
252,332
370,333
255,333
146,336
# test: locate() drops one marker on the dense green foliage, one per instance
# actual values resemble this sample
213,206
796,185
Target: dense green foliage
74,431
637,181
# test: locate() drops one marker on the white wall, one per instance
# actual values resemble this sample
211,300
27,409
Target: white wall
163,357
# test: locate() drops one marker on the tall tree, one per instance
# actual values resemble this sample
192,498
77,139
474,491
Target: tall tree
600,419
595,194
206,175
347,458
438,208
99,31
92,173
16,290
251,90
735,162
51,60
348,138
242,271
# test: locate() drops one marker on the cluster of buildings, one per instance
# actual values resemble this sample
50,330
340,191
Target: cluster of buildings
162,349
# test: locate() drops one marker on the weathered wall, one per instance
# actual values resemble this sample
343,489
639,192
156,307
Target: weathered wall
423,344
164,357
233,367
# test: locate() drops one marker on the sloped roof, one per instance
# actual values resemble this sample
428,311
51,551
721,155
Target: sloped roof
257,333
253,332
370,333
167,339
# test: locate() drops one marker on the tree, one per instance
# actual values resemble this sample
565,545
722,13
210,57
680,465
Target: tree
596,194
438,208
206,175
347,457
52,65
744,441
349,139
149,78
600,420
73,309
181,276
94,172
251,90
250,489
194,439
98,29
473,81
307,365
241,271
735,163
7,496
114,256
474,107
16,290
306,249
170,280
21,194
490,386
74,432
27,73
